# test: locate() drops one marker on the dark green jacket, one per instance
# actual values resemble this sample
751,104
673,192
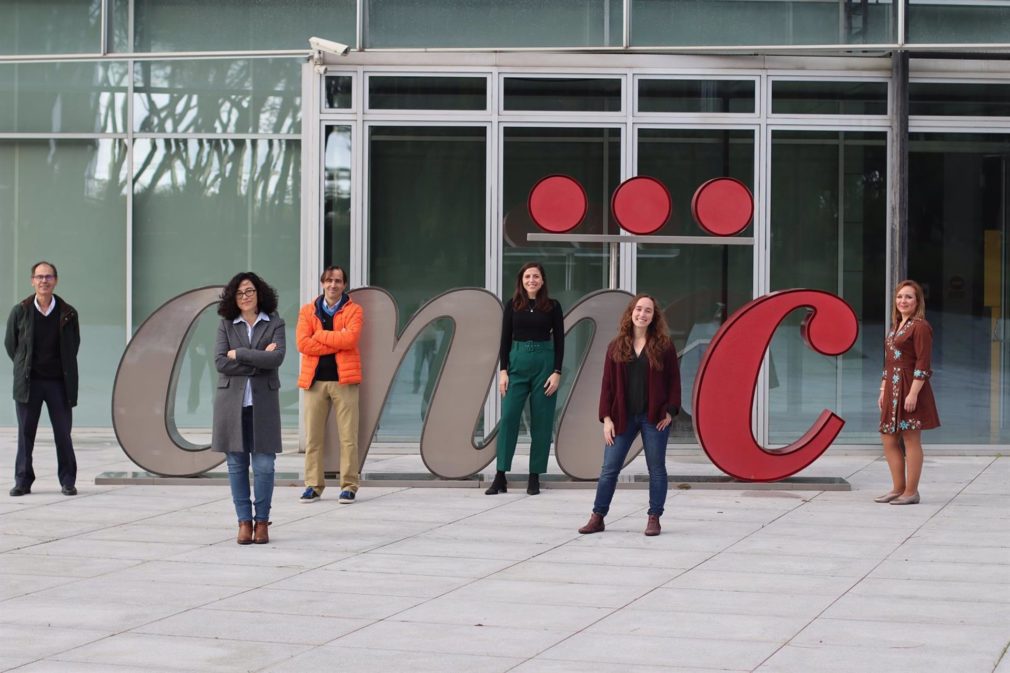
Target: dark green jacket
18,342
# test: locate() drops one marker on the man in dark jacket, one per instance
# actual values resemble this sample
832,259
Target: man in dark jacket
43,337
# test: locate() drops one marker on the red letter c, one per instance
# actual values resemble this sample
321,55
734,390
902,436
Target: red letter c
727,377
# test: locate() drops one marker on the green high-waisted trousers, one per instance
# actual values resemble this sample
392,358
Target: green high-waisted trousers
530,364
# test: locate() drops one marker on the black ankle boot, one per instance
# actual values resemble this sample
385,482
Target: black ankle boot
499,485
533,487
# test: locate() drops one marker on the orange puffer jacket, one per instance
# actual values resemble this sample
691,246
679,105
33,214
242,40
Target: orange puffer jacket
314,341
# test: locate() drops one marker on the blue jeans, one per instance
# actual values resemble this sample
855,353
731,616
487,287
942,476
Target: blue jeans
614,456
263,475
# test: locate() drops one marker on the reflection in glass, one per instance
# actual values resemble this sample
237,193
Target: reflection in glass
64,97
339,89
402,92
696,286
81,207
570,94
218,96
828,232
492,23
203,211
959,188
959,99
50,26
758,22
695,95
427,217
829,98
240,25
337,198
956,21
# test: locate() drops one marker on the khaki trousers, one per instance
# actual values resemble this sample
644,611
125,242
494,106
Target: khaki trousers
343,399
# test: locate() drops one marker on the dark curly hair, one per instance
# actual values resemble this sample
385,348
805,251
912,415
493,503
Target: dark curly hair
266,296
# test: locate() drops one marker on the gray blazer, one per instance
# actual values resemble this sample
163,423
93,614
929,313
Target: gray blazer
254,364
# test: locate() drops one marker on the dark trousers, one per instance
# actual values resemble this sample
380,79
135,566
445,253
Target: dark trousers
61,416
530,365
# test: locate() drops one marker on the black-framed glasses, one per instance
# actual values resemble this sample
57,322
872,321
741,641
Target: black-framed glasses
245,293
44,277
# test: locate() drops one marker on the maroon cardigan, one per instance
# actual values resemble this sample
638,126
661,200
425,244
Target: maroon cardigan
663,390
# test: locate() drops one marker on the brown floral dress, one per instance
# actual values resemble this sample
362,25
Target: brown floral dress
907,355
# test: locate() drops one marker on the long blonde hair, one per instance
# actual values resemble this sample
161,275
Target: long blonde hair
920,303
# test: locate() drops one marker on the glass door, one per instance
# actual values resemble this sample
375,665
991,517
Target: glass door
959,192
697,285
591,155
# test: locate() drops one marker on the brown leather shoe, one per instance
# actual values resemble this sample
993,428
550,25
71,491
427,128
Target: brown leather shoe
260,535
652,528
245,532
595,525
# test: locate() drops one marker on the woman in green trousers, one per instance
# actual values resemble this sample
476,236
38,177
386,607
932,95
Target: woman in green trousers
532,348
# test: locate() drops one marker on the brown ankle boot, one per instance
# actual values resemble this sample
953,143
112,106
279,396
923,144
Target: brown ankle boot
245,532
260,535
595,524
652,528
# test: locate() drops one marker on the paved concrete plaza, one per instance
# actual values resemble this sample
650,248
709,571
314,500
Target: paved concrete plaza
149,578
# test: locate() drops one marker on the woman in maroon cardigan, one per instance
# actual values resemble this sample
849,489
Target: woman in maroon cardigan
640,394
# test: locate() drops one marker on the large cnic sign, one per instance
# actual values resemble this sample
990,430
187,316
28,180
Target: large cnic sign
724,390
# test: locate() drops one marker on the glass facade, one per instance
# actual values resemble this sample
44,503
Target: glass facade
152,147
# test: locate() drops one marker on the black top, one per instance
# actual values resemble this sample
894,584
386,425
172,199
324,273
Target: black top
46,362
326,370
530,324
636,387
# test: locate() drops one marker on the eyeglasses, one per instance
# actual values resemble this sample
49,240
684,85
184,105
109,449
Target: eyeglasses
48,277
245,293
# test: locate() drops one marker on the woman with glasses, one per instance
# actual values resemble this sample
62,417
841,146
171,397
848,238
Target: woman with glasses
247,417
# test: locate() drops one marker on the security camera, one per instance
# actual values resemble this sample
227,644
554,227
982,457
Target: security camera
337,48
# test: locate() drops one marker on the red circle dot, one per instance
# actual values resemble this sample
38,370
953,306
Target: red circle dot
641,205
723,206
558,203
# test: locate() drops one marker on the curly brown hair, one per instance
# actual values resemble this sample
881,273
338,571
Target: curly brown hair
657,337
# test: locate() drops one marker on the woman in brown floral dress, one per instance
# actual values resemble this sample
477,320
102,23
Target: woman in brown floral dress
906,400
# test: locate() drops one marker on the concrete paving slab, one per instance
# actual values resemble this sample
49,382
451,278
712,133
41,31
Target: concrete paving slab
258,626
825,659
898,635
925,610
568,593
733,602
986,573
718,653
541,665
551,571
368,583
687,623
963,591
452,638
785,583
23,644
791,564
56,666
325,604
375,660
378,562
467,611
178,653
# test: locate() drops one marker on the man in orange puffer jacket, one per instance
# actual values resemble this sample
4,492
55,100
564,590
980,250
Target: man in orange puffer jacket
327,335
